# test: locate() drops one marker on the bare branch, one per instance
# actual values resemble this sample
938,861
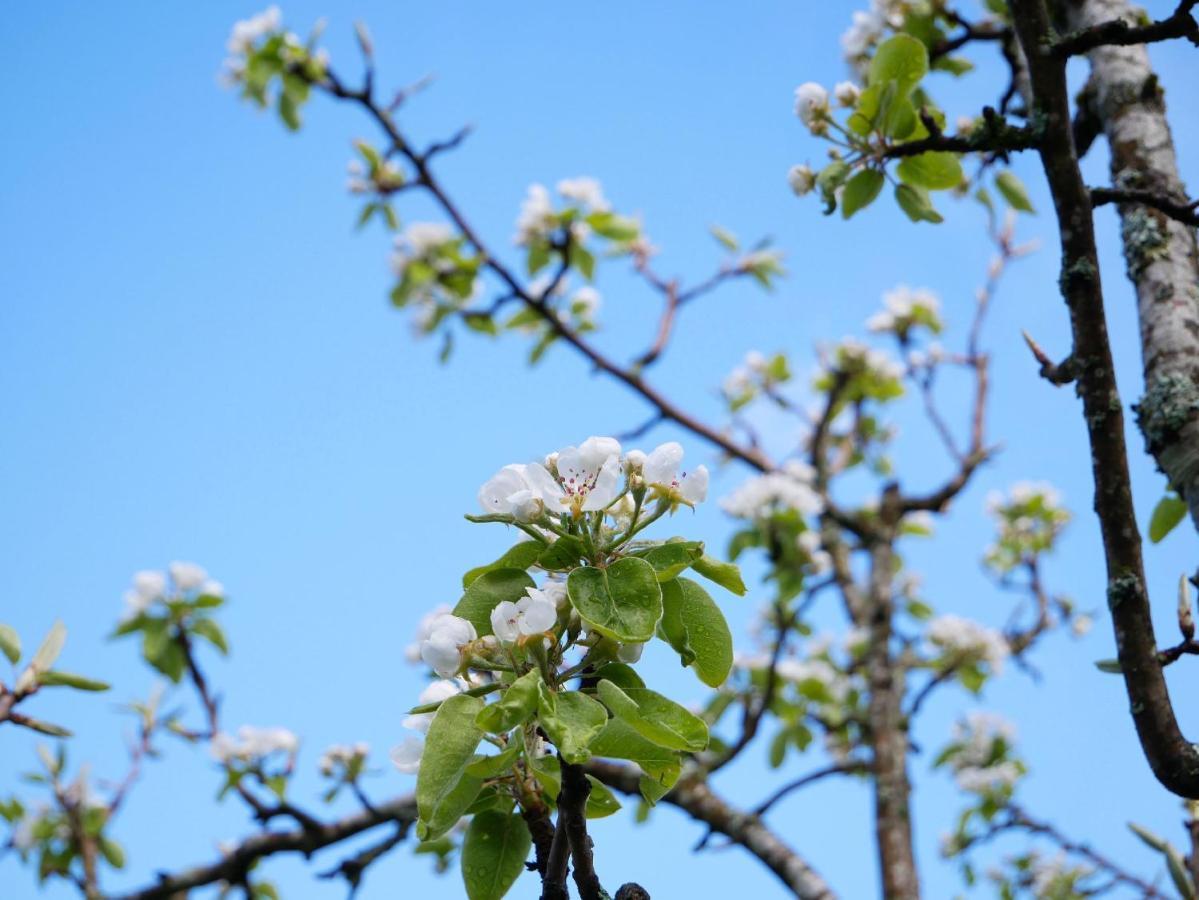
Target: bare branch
1118,32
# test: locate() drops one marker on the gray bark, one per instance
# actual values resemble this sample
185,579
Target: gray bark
1160,253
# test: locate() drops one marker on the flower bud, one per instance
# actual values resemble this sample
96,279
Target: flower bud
1186,620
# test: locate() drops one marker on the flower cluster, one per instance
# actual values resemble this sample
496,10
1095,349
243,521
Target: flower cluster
534,614
539,221
248,32
868,27
434,271
981,756
588,478
757,374
345,761
904,309
150,586
253,745
964,642
787,490
260,51
1028,521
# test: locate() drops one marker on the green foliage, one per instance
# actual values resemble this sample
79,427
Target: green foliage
622,602
571,720
656,718
1012,188
494,853
517,705
488,590
1170,510
694,626
444,790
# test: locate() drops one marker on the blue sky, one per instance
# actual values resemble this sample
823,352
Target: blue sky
199,362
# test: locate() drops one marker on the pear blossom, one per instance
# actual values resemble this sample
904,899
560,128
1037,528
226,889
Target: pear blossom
442,649
584,192
187,576
536,219
846,94
247,31
585,303
252,744
587,477
342,756
435,692
967,640
979,761
818,558
905,307
534,614
511,492
811,105
150,583
423,629
552,590
406,756
630,653
787,489
661,473
418,242
802,179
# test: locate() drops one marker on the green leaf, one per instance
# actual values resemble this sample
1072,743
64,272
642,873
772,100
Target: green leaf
443,788
656,718
1013,191
515,707
546,769
497,764
54,678
561,555
1157,843
289,111
933,170
1169,511
725,574
726,238
583,260
601,802
46,728
614,227
695,627
487,591
493,854
1111,666
211,632
571,720
518,556
618,740
954,65
901,59
672,558
623,601
1178,873
914,201
620,674
10,643
861,190
51,647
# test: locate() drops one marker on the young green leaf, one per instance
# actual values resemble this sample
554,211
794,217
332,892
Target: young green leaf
571,720
601,802
725,574
860,191
518,556
901,59
1013,191
443,788
1169,511
10,643
933,170
493,854
656,718
914,201
694,626
51,647
672,558
515,707
623,601
55,678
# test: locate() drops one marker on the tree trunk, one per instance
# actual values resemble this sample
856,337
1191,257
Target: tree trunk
889,739
1160,253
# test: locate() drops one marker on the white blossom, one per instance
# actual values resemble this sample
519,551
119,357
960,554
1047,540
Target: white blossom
252,744
423,628
802,179
536,219
846,94
809,542
585,303
585,192
406,756
968,639
442,649
787,489
904,306
434,692
978,765
661,472
512,492
811,105
342,756
587,477
187,576
630,653
534,614
246,32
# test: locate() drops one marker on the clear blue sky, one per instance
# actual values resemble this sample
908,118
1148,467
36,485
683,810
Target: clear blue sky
197,361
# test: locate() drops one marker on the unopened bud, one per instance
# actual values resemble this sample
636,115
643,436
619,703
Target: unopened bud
1186,620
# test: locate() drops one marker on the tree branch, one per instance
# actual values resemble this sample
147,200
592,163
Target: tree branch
1117,32
1186,212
